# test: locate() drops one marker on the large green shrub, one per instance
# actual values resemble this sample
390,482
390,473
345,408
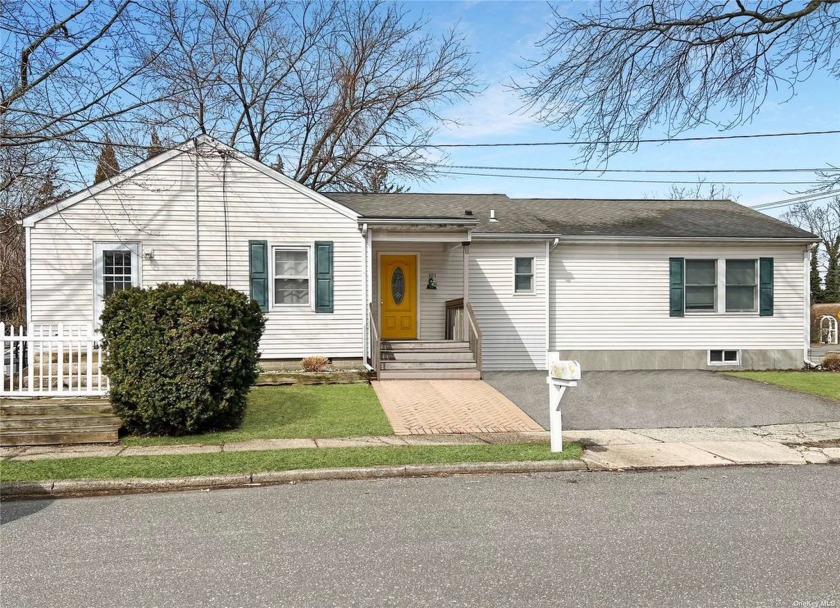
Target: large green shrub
181,357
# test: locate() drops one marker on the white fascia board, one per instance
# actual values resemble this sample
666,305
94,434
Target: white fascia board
279,177
421,237
513,236
92,191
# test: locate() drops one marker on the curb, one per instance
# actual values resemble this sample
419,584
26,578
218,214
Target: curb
77,488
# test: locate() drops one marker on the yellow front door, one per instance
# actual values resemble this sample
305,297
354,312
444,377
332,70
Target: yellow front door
398,296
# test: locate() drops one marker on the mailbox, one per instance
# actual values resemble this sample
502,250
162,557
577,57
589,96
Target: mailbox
565,370
561,375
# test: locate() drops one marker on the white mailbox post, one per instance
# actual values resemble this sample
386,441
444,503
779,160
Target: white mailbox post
561,375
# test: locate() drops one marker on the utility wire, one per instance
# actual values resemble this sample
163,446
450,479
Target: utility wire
659,140
627,181
808,198
571,170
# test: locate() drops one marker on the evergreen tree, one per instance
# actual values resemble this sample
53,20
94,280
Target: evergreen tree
155,147
816,280
107,165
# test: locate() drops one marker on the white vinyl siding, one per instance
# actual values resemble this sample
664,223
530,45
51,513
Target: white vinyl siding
615,297
157,209
513,327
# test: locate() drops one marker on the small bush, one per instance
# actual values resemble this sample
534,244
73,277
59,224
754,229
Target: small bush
181,357
831,362
314,364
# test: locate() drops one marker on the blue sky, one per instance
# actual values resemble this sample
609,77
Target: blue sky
503,33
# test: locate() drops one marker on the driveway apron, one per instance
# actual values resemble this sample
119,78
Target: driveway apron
663,399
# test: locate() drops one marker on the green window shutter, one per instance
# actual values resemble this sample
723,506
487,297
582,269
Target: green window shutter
323,276
258,272
677,282
765,287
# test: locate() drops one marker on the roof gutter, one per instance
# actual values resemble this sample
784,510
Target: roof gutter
684,239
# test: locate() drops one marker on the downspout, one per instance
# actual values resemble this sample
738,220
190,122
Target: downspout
197,231
366,299
809,251
548,249
547,302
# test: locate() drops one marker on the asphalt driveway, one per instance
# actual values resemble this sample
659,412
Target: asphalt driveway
663,399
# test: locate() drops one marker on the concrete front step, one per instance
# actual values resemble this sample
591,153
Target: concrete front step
429,374
427,365
441,356
425,346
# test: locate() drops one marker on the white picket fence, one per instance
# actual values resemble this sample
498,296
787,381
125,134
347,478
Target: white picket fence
51,361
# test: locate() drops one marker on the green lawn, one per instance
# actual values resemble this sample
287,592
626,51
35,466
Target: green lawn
284,412
274,460
822,384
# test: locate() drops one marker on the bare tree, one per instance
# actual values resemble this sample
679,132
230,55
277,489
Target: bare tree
625,65
33,180
823,220
702,190
333,91
67,67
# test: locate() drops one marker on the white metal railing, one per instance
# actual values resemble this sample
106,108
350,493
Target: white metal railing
54,360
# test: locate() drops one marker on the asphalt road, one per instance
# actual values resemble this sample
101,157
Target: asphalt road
705,537
663,399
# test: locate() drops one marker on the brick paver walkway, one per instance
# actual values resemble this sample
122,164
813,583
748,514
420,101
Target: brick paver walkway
418,407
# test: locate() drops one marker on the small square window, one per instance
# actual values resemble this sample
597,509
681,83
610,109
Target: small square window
523,275
724,357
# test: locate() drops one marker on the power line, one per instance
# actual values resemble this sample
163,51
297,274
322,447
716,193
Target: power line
578,170
660,140
628,181
803,198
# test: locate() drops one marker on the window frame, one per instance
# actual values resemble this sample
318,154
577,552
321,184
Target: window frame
723,360
720,288
99,249
755,285
715,286
532,274
309,276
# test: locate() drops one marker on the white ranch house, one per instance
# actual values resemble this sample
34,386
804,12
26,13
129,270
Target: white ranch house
434,285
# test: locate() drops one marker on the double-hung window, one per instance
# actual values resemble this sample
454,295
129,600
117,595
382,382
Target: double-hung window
701,285
291,277
523,275
725,286
741,285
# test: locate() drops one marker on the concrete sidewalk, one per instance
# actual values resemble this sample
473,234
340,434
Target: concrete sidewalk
613,449
618,449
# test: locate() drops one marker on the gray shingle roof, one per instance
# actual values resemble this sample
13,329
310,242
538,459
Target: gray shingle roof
579,217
